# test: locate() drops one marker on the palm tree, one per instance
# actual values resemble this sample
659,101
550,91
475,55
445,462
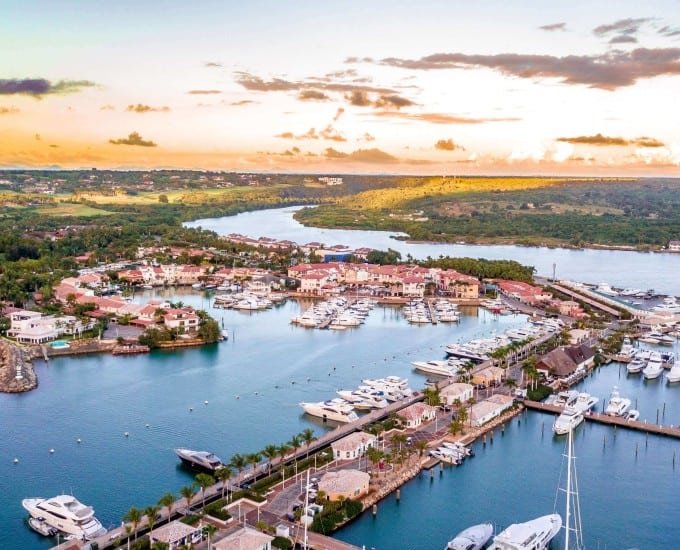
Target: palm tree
204,481
374,455
295,443
134,516
307,436
224,475
188,492
283,450
254,459
398,439
421,445
168,501
238,462
151,512
270,452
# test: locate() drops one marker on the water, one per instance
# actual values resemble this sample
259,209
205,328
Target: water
100,397
624,269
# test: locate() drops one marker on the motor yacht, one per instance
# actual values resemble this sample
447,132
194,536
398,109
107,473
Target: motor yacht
654,367
65,514
535,534
472,538
627,349
337,410
604,288
202,460
673,375
617,405
632,415
567,421
585,402
438,367
636,366
668,359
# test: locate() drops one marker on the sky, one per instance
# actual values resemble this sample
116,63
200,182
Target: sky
433,87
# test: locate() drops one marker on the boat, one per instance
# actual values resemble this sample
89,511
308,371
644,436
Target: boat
438,367
203,460
534,534
617,405
337,410
567,421
472,538
632,415
654,367
673,375
585,402
197,286
39,525
604,288
636,366
66,515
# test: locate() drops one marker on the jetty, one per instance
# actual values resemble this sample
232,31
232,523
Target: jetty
616,421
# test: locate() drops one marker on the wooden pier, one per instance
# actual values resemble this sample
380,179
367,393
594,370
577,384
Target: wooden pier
656,429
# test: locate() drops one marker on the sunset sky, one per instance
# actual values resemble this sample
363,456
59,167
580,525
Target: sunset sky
453,87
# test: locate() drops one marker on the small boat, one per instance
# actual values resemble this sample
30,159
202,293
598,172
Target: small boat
654,367
472,538
567,421
585,402
203,460
632,415
636,366
617,405
673,375
535,534
39,525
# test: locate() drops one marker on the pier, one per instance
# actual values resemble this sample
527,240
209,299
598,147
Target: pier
668,431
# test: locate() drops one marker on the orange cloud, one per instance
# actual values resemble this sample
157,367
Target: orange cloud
204,92
140,108
448,145
133,139
312,95
440,118
608,141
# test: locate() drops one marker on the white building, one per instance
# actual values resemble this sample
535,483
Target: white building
490,408
176,534
417,413
353,446
457,391
245,539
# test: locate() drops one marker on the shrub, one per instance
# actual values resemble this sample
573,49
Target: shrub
282,543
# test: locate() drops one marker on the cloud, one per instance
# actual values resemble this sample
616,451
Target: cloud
8,110
554,27
328,133
608,141
133,139
204,92
338,114
335,154
606,71
362,155
358,98
257,84
622,26
212,64
242,102
107,108
392,101
38,87
448,145
366,137
140,108
441,118
312,95
348,73
669,31
623,39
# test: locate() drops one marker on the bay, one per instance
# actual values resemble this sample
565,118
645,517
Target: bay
620,268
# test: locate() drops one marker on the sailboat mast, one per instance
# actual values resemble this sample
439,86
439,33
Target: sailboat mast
568,512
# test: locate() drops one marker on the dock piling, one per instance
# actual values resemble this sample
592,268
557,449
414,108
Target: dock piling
604,441
636,450
398,495
375,510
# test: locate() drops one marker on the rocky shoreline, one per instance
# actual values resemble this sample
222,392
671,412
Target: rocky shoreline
16,369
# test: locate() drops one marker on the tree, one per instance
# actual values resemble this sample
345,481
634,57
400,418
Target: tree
270,452
188,492
168,501
209,330
254,459
163,198
421,446
307,436
151,512
283,450
224,475
204,481
134,516
295,444
432,396
374,456
238,462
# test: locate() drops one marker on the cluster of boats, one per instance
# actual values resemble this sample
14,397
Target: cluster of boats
535,534
62,515
452,453
372,394
650,363
497,306
438,311
335,314
245,301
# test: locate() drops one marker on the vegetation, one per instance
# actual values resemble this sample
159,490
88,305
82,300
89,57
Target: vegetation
334,513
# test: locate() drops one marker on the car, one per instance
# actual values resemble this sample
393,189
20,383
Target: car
409,440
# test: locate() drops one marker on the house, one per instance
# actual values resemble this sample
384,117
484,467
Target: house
176,534
353,446
245,539
183,320
674,246
564,361
487,410
313,282
524,292
456,284
416,414
457,391
490,376
344,484
413,286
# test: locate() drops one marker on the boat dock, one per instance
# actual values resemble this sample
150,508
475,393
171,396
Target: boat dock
668,431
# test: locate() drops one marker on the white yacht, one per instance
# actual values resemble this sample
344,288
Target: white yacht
604,288
203,460
654,367
585,402
66,514
673,375
472,538
535,534
567,421
636,365
617,405
627,349
396,382
438,367
337,410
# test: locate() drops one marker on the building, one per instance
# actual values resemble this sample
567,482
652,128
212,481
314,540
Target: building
564,361
353,446
674,246
344,484
490,376
416,414
245,539
176,534
487,410
457,391
183,320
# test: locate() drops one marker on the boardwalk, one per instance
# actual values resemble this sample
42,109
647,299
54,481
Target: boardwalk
668,431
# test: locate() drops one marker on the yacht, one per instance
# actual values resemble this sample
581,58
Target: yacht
203,460
654,367
673,375
65,514
604,288
636,366
535,534
627,349
567,421
585,402
338,410
617,405
472,538
440,368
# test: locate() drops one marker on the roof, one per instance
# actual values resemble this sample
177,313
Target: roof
456,388
173,532
244,539
343,481
558,361
352,441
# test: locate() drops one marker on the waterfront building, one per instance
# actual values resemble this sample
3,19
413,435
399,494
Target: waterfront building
674,246
176,534
456,391
30,327
416,414
184,320
353,446
488,376
524,292
564,361
490,408
245,539
344,484
457,284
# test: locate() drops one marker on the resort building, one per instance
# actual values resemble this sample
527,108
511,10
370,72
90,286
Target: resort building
176,534
344,484
416,414
490,376
487,410
353,446
564,361
30,327
245,539
457,391
674,246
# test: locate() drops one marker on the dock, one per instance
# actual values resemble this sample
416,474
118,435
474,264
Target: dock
646,427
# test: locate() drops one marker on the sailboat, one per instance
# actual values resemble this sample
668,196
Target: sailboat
573,533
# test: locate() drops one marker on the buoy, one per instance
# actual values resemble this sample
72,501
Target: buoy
255,393
147,426
308,379
51,451
205,402
16,461
191,409
126,434
78,440
237,397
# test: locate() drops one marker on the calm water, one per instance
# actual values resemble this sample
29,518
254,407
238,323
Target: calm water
99,398
641,270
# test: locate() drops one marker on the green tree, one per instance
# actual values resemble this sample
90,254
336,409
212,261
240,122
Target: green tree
168,501
188,492
224,475
307,436
204,481
270,452
133,516
254,459
238,462
151,512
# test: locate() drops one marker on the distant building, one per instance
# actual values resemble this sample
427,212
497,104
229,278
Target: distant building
176,534
353,446
490,408
457,391
245,539
674,246
344,484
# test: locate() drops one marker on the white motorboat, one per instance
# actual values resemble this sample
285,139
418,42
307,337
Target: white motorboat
567,421
585,402
566,398
627,349
39,525
654,367
535,534
632,415
673,375
438,367
472,538
604,288
617,405
636,366
65,514
458,446
337,410
203,460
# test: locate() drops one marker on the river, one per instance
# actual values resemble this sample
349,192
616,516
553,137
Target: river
625,269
